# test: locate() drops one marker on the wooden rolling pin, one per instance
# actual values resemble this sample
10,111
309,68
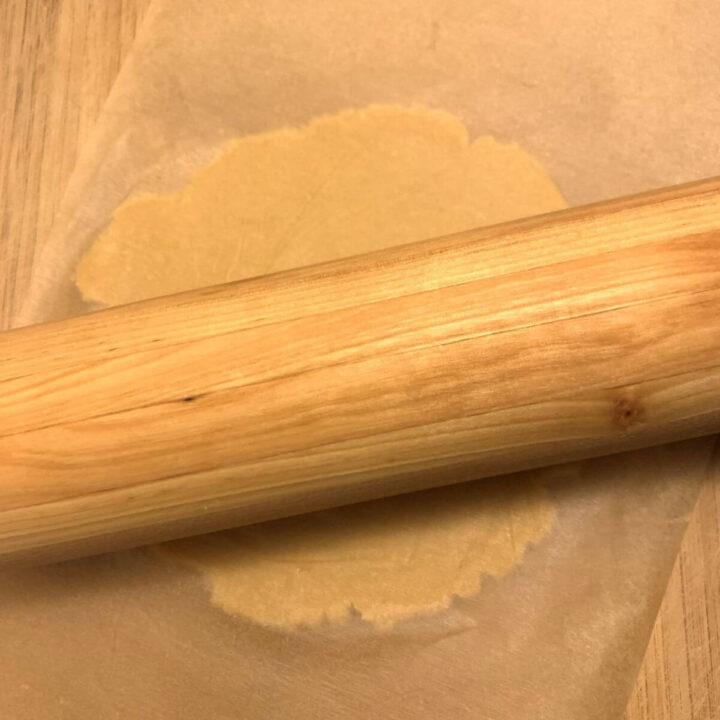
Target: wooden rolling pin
574,334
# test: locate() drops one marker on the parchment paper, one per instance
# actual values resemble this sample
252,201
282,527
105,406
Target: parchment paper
612,98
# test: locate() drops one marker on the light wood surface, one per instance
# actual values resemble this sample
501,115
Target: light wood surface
41,42
579,333
680,676
57,65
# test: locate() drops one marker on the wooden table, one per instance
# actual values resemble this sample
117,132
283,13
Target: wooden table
58,64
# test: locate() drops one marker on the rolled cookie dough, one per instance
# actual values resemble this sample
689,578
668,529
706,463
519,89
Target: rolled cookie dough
344,184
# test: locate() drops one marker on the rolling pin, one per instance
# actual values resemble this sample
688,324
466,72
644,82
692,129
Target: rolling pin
565,336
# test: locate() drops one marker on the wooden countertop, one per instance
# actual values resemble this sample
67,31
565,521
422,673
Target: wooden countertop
59,63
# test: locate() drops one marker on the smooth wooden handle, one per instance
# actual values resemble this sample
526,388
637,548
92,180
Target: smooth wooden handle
574,334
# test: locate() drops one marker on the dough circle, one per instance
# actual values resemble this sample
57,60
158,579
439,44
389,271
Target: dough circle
344,184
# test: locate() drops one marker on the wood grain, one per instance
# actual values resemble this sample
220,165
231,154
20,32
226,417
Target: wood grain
579,333
59,62
37,56
680,676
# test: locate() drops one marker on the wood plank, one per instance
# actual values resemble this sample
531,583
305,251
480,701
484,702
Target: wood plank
59,61
680,676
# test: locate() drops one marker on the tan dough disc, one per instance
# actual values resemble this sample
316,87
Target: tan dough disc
349,183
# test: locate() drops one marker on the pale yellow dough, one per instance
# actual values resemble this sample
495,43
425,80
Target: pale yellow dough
344,184
386,560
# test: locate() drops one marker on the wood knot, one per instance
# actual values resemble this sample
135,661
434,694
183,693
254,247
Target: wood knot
627,411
